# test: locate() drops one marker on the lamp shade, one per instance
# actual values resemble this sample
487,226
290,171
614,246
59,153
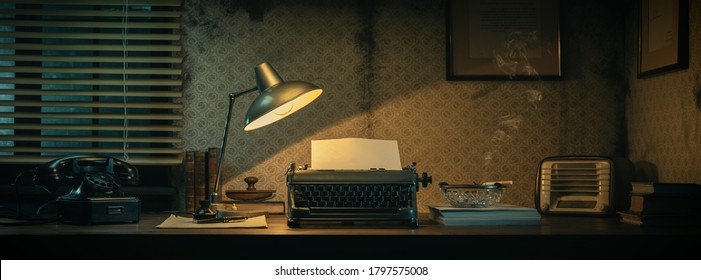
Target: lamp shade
277,99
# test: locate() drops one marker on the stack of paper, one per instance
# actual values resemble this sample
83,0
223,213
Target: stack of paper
499,215
174,221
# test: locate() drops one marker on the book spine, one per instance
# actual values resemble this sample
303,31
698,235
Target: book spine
200,179
639,188
212,161
631,218
658,219
656,204
189,181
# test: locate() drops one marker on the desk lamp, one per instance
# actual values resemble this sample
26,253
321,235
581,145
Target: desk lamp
277,100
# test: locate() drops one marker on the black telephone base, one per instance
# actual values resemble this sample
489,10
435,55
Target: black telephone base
99,210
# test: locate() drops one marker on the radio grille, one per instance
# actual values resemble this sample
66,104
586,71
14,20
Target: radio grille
569,185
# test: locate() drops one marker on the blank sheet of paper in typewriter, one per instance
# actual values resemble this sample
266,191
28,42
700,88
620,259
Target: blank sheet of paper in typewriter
355,154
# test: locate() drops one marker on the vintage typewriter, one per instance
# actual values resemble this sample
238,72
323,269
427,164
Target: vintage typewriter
349,196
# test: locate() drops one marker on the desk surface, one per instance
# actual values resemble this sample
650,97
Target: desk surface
555,238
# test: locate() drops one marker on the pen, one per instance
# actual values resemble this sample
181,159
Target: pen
229,219
490,183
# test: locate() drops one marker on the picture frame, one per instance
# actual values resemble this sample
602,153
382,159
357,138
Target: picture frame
503,40
663,36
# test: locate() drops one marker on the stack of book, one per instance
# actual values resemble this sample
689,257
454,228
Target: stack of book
663,204
200,171
498,215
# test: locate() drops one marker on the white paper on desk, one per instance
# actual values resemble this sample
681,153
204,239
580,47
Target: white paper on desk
186,222
355,153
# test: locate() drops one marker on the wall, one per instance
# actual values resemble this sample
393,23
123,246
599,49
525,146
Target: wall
664,114
382,66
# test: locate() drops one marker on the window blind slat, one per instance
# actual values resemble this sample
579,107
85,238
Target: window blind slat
172,3
90,13
96,116
92,47
92,36
133,159
96,82
98,150
131,93
143,105
88,24
79,70
101,127
103,139
96,59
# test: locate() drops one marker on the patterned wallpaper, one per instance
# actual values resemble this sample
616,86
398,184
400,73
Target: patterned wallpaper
382,66
664,114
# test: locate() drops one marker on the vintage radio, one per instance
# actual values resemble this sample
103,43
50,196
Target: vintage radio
350,196
582,185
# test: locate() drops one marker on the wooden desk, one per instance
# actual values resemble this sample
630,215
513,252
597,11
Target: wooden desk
556,238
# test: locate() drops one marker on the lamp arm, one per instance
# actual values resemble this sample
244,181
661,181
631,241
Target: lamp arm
232,97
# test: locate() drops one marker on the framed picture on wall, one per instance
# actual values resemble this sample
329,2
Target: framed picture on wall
503,40
663,36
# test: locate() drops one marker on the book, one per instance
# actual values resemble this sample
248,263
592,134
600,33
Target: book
272,207
189,182
659,220
212,162
499,215
664,204
659,188
200,178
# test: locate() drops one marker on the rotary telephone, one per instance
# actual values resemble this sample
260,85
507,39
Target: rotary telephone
94,183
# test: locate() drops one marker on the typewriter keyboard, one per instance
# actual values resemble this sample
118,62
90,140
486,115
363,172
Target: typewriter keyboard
353,196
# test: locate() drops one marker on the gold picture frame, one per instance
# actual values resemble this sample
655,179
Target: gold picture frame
663,36
503,40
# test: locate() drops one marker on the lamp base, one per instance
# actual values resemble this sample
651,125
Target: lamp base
205,211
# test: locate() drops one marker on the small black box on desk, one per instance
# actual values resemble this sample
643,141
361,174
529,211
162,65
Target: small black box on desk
96,210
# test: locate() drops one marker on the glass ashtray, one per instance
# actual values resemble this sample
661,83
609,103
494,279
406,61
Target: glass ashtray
472,196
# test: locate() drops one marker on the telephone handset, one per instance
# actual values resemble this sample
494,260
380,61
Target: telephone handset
70,172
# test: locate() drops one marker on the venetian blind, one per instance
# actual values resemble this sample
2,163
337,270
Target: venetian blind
90,76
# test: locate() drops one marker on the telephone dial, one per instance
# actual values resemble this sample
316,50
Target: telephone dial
95,183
